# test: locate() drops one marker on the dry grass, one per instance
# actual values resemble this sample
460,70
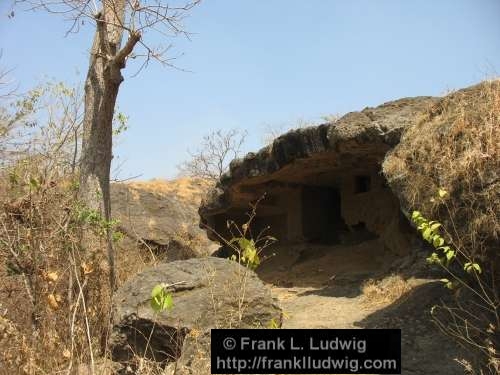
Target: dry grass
455,146
54,302
384,292
53,294
187,189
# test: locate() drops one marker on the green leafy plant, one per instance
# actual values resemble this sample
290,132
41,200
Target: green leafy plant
248,254
444,253
273,324
248,249
246,246
96,220
161,300
474,318
120,123
117,236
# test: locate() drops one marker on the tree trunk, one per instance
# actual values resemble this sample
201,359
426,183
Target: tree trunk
101,90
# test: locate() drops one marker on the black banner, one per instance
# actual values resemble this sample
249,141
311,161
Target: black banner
306,351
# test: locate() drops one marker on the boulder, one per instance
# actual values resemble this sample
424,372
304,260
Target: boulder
162,215
207,293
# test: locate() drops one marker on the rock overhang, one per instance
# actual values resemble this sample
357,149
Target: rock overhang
304,170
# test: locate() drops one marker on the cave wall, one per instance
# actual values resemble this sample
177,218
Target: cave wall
378,208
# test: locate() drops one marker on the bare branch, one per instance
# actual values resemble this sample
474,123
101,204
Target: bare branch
216,151
136,17
127,49
6,89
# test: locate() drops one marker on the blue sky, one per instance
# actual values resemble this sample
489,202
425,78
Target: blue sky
255,63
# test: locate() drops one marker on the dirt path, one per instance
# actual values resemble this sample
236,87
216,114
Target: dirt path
321,286
342,287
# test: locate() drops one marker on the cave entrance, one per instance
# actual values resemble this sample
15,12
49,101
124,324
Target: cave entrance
322,215
321,210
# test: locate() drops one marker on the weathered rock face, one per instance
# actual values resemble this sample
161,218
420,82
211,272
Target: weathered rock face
162,214
213,293
322,184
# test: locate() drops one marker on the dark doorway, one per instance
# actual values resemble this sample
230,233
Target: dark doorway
321,215
362,184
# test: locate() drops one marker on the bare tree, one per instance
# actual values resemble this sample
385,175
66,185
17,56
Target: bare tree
44,123
211,159
7,120
112,19
6,84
